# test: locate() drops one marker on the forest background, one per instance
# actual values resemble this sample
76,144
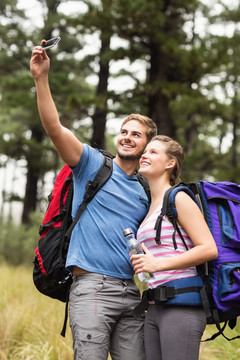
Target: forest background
175,61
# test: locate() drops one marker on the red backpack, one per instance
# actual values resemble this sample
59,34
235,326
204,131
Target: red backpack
50,276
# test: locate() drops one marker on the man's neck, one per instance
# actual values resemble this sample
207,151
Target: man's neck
128,166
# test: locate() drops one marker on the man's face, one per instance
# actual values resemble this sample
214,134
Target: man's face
132,140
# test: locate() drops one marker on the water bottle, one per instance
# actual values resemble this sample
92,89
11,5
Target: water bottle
134,247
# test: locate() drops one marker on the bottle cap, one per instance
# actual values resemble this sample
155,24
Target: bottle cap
127,231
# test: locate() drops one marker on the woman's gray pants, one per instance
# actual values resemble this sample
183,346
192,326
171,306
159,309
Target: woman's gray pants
173,332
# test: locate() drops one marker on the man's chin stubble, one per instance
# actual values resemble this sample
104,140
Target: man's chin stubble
129,157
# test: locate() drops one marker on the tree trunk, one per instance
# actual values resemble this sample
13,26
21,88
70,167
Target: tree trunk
99,117
33,174
235,122
158,102
30,199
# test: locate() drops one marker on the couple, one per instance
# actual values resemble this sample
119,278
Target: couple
103,293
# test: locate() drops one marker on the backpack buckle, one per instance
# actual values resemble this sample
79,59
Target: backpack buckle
90,187
161,293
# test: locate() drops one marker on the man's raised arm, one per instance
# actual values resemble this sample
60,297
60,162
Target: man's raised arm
66,143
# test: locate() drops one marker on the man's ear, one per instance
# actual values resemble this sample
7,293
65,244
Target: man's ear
171,163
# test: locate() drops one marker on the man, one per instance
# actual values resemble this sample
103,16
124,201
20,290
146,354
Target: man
103,292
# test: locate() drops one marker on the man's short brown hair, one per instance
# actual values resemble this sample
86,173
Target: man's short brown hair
145,120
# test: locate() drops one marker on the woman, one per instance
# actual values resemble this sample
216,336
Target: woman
174,331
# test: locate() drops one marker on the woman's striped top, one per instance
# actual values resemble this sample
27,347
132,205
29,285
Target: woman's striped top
146,234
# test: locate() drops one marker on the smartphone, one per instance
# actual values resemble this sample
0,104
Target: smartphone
50,43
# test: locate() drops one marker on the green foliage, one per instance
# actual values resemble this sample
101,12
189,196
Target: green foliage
189,82
18,242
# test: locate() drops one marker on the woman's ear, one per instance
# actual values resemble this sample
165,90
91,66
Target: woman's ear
170,164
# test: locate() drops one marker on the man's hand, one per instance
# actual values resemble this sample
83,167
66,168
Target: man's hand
40,62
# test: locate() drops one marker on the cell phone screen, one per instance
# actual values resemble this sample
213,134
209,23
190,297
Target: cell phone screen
50,43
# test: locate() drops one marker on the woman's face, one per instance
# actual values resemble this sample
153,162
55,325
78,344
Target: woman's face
154,161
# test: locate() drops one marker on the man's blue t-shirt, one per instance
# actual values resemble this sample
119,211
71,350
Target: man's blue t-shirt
97,242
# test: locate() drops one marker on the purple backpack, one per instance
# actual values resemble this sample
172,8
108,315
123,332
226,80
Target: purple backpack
220,204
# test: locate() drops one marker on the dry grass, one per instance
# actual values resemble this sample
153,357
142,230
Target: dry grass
30,324
220,348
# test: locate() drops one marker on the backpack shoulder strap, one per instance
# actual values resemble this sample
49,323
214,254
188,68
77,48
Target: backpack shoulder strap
92,187
169,210
169,198
143,181
101,177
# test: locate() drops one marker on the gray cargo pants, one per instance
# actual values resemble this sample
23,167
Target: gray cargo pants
100,318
